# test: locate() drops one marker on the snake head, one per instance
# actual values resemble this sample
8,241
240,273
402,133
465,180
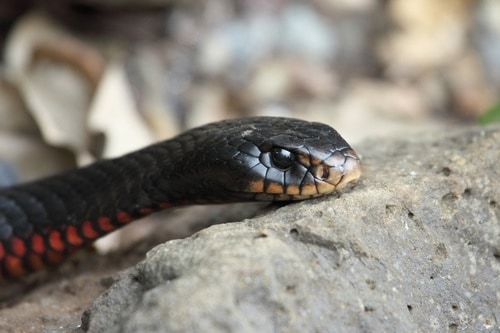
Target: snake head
289,159
261,158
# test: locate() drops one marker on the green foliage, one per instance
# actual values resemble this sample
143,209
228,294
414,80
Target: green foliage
491,116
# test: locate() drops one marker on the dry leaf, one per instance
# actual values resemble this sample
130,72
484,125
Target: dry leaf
114,113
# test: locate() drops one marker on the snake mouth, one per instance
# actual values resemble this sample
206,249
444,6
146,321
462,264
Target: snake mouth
314,175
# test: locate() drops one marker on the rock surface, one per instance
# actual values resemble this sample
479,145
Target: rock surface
413,247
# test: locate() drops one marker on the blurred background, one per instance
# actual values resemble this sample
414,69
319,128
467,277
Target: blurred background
87,79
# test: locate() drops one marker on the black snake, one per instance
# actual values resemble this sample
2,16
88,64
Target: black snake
250,159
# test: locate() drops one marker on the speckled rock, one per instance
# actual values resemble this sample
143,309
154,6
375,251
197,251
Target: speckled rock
413,247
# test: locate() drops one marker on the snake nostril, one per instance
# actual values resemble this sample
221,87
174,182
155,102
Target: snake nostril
322,172
326,172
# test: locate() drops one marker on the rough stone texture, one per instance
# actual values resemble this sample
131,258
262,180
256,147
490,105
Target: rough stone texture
413,247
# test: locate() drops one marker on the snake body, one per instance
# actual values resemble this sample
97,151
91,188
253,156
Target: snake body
250,159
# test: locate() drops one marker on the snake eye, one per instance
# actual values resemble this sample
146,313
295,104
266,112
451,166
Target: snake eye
282,158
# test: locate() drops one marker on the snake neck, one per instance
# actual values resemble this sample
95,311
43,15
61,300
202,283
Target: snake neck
101,197
44,221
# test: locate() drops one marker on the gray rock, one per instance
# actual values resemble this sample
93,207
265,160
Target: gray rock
413,247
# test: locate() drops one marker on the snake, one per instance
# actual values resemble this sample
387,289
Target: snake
248,159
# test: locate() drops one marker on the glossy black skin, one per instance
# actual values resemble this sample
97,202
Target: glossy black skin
210,164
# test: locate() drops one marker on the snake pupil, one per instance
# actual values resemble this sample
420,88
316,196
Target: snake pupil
282,158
